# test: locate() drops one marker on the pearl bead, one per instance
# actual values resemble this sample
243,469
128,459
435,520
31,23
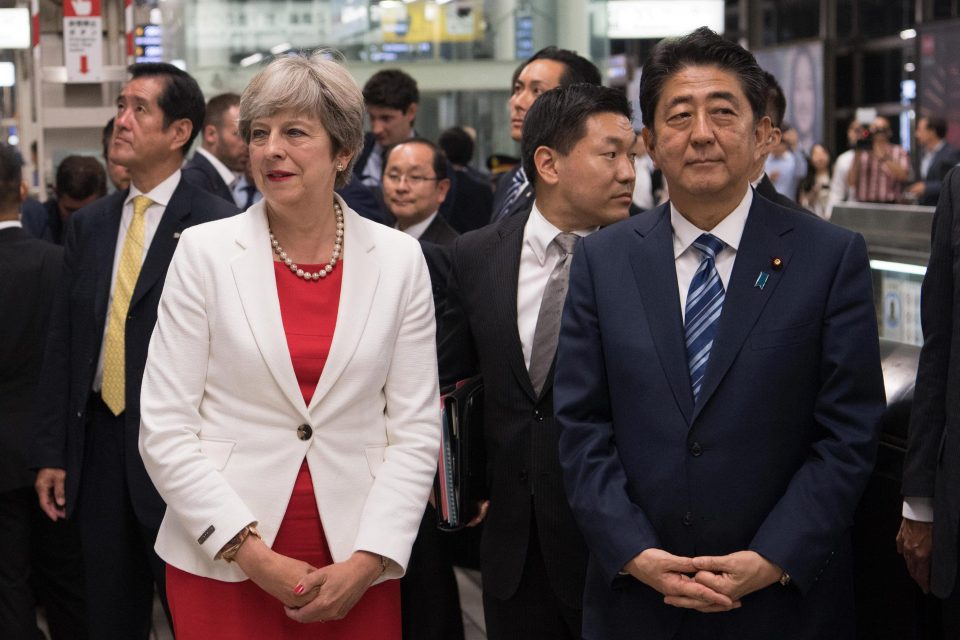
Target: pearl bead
337,250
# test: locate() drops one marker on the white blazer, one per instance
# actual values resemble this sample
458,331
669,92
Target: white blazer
221,407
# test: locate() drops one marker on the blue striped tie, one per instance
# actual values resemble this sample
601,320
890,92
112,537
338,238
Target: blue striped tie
516,188
704,304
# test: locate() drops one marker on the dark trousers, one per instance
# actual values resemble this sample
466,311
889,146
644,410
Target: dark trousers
950,614
120,563
534,612
40,565
430,600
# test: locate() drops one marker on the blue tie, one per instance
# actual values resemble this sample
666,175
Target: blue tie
704,304
516,188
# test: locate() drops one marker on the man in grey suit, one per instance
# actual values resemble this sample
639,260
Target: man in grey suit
929,533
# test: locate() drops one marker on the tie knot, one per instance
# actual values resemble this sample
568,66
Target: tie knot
141,204
566,242
709,245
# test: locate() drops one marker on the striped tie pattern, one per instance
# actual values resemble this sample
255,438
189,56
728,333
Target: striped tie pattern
113,390
516,188
704,304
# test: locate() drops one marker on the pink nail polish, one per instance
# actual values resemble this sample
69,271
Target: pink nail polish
299,589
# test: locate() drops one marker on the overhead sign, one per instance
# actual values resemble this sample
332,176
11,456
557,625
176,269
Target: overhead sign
83,40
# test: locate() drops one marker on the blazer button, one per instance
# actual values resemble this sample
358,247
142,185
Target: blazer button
696,450
538,415
688,519
304,432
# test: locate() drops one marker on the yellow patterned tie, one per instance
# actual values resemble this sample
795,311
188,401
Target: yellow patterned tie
127,273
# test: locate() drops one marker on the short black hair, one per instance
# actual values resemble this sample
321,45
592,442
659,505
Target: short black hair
578,68
776,103
80,177
181,97
936,124
558,119
700,48
457,144
217,108
391,88
11,176
439,158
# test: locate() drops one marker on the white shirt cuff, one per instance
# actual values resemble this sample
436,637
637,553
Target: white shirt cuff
919,509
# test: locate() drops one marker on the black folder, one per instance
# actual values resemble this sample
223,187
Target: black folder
459,485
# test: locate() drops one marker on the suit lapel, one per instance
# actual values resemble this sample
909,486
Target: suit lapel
106,232
361,273
655,271
257,287
506,272
164,243
762,241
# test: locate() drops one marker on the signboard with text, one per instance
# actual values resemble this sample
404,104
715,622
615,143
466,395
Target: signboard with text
83,40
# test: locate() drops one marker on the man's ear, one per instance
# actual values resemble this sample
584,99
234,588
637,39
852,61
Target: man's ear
210,135
545,160
411,112
25,191
650,142
765,137
181,129
443,186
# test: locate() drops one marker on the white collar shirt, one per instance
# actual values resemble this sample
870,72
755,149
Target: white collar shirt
10,224
418,229
229,177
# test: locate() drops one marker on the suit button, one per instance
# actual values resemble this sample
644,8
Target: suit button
687,519
304,432
538,415
696,450
522,475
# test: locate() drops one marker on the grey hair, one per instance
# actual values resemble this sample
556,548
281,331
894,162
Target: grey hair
315,85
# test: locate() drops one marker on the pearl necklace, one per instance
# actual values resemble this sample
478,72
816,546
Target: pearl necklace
337,249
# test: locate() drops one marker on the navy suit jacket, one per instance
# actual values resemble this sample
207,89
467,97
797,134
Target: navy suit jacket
200,172
943,160
773,456
76,335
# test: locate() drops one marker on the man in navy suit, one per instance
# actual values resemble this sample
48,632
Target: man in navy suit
115,260
718,384
220,162
937,158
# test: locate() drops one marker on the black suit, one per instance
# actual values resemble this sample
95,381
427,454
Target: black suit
932,464
41,558
529,532
766,189
107,487
943,160
201,173
471,204
522,205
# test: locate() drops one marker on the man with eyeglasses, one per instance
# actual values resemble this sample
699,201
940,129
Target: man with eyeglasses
879,167
415,184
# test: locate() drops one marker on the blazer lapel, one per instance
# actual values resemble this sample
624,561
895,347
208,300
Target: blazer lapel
506,272
361,273
164,243
257,286
108,228
655,271
762,241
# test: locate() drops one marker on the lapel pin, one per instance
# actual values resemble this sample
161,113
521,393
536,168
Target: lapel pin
777,264
762,279
176,235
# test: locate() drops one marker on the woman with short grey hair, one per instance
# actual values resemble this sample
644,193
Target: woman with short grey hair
290,405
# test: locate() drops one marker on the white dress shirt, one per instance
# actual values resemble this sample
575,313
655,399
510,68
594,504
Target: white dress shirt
10,224
416,230
229,177
538,258
687,257
160,195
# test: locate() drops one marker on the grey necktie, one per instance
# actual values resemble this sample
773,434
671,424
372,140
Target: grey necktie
551,306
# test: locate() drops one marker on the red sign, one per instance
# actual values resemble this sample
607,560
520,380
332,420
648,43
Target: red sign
81,8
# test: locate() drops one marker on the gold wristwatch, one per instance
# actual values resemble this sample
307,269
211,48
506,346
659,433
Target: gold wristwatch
229,550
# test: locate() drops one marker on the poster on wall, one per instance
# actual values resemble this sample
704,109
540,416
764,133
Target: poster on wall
799,70
83,40
939,80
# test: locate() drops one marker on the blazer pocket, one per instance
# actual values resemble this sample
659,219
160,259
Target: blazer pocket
784,337
374,453
217,451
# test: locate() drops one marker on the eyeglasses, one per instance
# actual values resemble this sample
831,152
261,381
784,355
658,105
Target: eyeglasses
413,181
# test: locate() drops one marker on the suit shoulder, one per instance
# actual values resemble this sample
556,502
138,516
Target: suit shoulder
207,206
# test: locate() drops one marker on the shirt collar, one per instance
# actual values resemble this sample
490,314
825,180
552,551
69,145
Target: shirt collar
417,230
729,230
160,194
228,177
10,224
540,232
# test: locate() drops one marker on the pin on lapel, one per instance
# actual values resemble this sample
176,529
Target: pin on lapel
761,280
176,235
777,264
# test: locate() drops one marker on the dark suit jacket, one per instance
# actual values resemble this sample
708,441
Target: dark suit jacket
943,160
932,464
767,190
772,458
439,232
201,173
42,220
479,335
29,269
369,142
470,204
76,334
522,205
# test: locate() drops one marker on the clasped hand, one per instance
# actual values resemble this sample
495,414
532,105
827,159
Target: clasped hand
708,584
336,588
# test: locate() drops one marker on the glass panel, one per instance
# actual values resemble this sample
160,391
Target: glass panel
787,20
885,18
882,73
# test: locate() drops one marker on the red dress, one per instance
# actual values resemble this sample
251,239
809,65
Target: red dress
208,609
